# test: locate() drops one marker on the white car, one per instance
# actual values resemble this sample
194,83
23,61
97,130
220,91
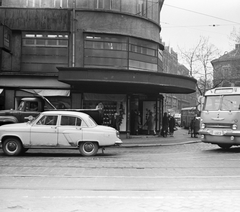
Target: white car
58,129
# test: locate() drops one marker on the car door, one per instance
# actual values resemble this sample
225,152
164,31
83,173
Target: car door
44,132
69,131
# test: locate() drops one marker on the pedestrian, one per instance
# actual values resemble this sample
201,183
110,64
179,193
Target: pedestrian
195,125
165,123
137,122
115,121
100,106
171,125
150,124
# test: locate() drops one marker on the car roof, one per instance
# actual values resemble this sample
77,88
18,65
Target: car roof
62,112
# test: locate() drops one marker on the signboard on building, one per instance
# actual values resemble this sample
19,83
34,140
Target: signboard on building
5,38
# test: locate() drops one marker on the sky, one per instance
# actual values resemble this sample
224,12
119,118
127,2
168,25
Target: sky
183,22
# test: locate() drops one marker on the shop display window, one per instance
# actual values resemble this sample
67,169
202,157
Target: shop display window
109,108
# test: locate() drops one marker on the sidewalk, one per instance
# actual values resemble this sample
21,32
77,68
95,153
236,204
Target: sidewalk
181,136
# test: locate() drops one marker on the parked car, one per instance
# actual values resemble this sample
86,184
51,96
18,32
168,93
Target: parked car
58,129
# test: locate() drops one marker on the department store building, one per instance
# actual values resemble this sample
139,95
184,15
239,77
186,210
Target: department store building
80,53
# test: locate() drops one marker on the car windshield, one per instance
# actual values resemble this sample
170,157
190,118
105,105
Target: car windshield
20,107
225,103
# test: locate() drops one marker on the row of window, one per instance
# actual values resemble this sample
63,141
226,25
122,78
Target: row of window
65,121
120,43
146,8
43,51
120,47
120,52
45,39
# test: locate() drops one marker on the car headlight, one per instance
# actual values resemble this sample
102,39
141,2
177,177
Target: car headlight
203,126
234,127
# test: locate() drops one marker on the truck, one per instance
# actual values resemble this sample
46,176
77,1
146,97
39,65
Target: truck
220,117
31,107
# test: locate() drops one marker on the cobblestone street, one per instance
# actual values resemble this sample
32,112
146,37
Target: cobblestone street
187,177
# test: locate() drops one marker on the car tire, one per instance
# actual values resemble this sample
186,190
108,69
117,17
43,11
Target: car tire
88,148
225,146
12,147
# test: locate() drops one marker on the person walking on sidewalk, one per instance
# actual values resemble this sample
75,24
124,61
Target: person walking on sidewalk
171,125
165,123
195,125
150,124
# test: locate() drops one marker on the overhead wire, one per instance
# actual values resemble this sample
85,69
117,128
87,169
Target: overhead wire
223,19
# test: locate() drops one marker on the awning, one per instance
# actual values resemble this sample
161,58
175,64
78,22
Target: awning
48,92
34,82
90,80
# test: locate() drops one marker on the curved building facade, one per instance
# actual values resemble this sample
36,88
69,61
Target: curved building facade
101,51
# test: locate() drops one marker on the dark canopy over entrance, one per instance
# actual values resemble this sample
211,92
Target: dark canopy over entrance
125,81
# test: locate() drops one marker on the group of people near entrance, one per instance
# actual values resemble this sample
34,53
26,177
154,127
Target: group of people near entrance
168,125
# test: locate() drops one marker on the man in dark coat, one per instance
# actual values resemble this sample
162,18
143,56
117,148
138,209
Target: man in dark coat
195,125
171,125
165,123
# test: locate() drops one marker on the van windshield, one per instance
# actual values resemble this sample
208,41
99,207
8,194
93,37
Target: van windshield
212,103
230,103
224,103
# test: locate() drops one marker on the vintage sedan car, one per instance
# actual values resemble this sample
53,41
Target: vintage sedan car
58,129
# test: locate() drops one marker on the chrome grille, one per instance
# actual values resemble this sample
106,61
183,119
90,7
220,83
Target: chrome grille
226,126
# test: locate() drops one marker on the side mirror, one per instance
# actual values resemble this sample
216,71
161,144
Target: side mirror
29,118
201,100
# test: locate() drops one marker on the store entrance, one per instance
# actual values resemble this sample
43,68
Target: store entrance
143,115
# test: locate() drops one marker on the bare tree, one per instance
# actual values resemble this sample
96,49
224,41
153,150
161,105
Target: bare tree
199,61
190,57
235,35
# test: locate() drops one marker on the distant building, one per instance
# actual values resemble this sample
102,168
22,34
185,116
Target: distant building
227,68
175,102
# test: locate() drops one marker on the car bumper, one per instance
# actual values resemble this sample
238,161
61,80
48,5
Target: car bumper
216,132
220,136
118,143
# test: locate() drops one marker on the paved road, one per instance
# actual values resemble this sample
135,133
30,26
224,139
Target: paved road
190,177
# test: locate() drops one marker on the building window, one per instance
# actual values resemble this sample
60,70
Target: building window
105,51
42,52
142,50
44,39
58,3
120,52
99,4
115,5
141,7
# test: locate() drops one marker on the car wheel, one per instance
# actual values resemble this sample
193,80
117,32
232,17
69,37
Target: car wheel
12,147
225,146
88,148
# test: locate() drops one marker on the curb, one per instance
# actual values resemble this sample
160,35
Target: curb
158,144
